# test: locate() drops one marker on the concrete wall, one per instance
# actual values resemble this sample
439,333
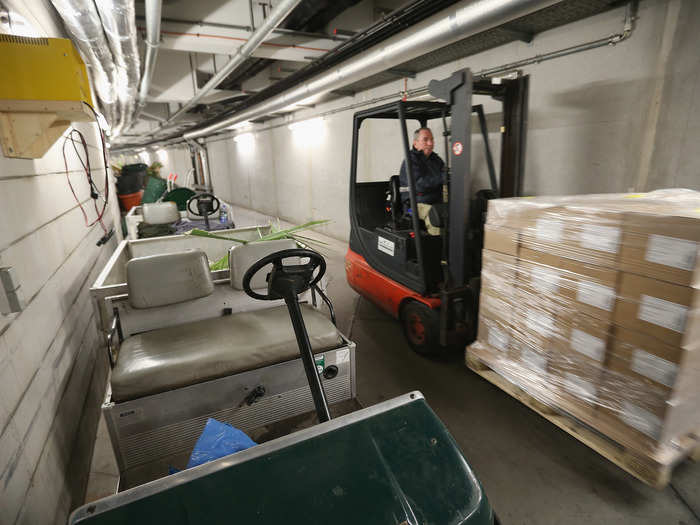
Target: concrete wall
613,119
53,367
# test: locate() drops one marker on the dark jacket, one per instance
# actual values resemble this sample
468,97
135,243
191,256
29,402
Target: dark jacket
428,174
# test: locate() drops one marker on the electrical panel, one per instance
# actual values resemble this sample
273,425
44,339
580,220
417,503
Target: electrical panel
43,88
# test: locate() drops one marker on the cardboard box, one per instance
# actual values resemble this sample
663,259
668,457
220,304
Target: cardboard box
575,385
630,414
640,416
494,330
668,312
651,393
533,320
577,365
574,286
664,247
578,232
514,212
498,274
529,369
656,364
501,239
586,337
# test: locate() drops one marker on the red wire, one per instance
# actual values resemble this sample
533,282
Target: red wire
88,173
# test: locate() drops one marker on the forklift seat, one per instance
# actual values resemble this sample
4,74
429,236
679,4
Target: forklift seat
438,214
189,353
395,202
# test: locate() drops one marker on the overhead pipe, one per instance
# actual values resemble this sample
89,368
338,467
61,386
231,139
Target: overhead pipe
276,17
462,20
119,24
153,18
612,40
83,23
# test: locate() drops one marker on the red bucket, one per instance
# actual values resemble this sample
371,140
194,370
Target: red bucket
128,201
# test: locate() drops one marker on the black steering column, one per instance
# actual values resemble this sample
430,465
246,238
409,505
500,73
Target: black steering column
287,282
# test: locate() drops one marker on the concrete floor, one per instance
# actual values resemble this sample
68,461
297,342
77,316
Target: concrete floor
532,472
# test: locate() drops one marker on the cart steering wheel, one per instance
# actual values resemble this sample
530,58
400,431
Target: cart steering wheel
286,281
204,201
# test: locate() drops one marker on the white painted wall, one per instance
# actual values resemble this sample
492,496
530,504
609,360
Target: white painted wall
175,160
53,368
589,122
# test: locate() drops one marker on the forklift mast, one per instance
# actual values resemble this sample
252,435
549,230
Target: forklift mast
456,90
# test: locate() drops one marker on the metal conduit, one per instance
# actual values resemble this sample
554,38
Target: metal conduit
271,22
460,21
153,10
612,40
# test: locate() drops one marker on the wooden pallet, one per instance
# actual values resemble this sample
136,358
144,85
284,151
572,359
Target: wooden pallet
653,468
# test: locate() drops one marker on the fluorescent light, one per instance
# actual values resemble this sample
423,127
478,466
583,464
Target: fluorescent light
241,125
244,138
314,123
245,142
162,155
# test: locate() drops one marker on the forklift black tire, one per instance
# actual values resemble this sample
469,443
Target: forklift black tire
421,327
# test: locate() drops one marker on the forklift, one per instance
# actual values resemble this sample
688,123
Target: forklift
431,283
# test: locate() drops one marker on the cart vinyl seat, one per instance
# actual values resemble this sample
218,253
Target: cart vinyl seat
186,354
170,358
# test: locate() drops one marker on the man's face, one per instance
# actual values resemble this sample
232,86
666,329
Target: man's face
424,142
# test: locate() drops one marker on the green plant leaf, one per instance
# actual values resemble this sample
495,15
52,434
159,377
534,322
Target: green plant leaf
219,264
202,233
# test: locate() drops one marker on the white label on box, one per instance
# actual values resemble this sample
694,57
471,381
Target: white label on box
498,339
533,359
539,322
385,245
544,279
654,367
579,387
663,313
601,238
641,419
595,294
587,344
549,230
671,251
342,356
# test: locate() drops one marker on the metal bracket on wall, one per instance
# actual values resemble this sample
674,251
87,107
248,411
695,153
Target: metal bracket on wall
11,296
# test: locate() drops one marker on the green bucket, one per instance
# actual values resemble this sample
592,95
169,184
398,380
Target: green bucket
179,196
155,188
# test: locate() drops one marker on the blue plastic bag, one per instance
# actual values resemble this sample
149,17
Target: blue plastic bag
218,440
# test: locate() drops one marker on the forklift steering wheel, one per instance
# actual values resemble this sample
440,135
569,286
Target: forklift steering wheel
286,281
196,198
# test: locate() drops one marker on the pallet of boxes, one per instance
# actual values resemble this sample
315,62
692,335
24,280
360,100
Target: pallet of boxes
590,314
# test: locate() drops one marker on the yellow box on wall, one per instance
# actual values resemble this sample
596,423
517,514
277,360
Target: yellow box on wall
42,89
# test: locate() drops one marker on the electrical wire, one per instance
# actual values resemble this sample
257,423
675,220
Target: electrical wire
75,137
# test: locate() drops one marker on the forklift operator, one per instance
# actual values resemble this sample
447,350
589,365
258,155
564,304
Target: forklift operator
429,174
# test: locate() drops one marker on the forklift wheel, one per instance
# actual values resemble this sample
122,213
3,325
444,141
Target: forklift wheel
421,326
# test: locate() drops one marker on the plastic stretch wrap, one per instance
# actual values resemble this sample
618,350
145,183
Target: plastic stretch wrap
592,305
